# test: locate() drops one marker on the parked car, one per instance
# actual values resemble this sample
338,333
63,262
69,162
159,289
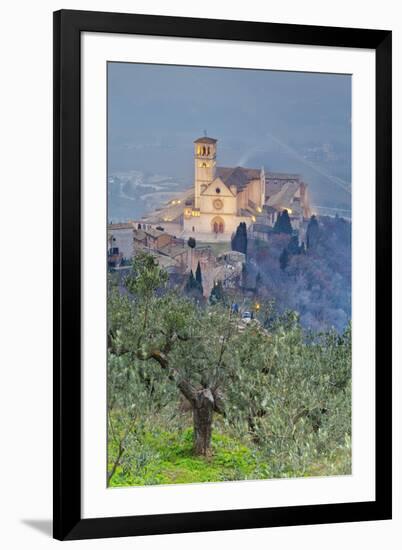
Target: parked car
246,316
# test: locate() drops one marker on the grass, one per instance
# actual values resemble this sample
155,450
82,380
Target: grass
164,457
170,459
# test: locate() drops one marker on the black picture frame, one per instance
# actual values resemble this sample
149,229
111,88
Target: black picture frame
68,26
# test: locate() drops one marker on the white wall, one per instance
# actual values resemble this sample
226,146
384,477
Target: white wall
123,240
26,295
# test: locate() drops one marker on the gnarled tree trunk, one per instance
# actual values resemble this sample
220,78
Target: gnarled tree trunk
203,401
203,408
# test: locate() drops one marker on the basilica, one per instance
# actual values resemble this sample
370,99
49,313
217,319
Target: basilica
223,197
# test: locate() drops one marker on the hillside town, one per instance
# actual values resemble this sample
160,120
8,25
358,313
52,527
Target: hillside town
208,214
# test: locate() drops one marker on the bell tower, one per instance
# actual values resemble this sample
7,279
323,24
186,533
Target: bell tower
204,165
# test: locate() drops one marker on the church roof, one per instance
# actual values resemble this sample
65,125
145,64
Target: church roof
237,176
276,181
205,139
284,195
281,176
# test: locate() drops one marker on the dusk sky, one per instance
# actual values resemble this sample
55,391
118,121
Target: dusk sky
284,121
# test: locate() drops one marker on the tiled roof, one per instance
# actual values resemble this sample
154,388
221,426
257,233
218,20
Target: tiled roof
140,234
155,233
281,176
276,181
284,195
115,226
237,176
173,250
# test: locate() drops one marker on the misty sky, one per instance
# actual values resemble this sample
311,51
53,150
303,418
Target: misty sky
284,121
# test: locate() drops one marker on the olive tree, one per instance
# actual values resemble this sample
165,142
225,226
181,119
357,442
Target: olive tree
189,344
274,385
291,393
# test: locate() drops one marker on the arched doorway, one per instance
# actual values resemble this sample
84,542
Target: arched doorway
218,225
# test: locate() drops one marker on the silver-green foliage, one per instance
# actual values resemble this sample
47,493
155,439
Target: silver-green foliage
292,394
285,393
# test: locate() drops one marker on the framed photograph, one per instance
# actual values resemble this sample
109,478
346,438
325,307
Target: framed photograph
222,275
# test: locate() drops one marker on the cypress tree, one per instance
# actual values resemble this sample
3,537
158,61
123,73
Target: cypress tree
293,246
194,287
284,259
244,239
216,293
258,280
313,233
198,277
191,242
282,224
239,240
191,282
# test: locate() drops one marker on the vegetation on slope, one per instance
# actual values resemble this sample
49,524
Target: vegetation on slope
193,397
314,280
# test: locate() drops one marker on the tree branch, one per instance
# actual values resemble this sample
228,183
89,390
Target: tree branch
121,444
160,357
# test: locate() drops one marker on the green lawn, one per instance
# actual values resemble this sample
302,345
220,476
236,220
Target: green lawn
170,460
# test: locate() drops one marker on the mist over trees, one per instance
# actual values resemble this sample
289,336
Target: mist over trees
314,280
283,261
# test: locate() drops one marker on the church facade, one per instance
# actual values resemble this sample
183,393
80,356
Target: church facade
223,196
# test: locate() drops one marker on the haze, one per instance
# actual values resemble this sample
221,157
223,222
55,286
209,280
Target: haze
284,121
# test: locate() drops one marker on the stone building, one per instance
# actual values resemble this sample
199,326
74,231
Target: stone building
223,197
120,237
152,239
